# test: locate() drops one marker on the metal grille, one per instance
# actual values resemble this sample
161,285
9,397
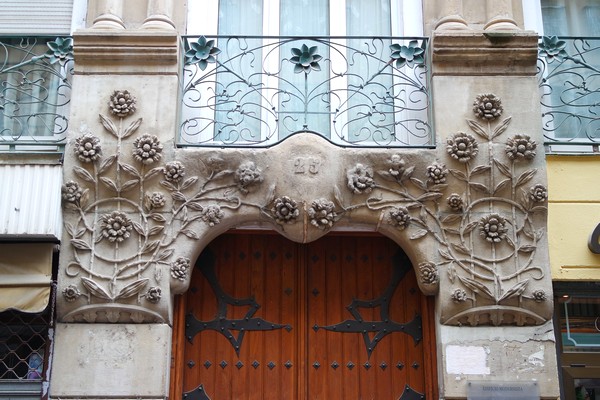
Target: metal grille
23,345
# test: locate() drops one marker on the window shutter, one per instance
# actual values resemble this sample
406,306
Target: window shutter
36,17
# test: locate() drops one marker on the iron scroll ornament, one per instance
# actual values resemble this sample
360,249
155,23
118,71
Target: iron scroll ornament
206,264
401,265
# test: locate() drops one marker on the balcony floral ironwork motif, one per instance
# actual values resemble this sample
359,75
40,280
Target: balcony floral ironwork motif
35,89
569,76
256,91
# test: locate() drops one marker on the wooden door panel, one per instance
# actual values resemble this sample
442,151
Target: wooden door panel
271,319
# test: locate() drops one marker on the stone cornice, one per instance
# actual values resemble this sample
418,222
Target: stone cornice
125,52
484,53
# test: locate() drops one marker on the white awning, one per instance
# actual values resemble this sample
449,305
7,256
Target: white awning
25,276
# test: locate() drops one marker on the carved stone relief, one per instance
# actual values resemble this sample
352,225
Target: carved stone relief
470,214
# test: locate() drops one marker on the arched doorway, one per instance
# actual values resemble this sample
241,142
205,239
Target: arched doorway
339,318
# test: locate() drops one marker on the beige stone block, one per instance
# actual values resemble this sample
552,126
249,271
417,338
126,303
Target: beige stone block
107,360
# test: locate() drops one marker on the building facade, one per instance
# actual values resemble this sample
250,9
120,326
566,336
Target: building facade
300,200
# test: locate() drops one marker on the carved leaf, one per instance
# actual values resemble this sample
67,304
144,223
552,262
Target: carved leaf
516,290
501,185
503,168
458,174
95,289
150,246
476,287
108,125
157,217
479,187
478,129
132,128
460,248
107,162
80,244
412,206
138,228
270,194
419,183
178,196
163,255
130,169
109,183
429,196
194,205
540,233
152,172
418,234
83,174
445,254
222,174
132,288
451,272
440,187
84,198
451,218
480,169
409,171
129,185
168,185
155,230
470,226
157,273
191,234
70,230
539,209
189,182
386,175
527,248
80,233
501,127
452,231
337,194
526,176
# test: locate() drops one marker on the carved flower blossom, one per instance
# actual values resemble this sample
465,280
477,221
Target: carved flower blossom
400,218
71,293
174,171
305,59
154,294
520,147
115,226
147,149
202,52
87,148
552,49
462,147
179,268
122,103
155,200
360,179
428,273
212,215
71,192
538,193
459,295
539,295
285,210
493,228
487,107
321,213
437,173
455,202
246,175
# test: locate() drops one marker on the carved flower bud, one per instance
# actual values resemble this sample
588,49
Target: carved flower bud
539,295
397,167
538,193
459,295
179,268
71,293
154,294
155,200
520,147
147,149
493,228
174,171
428,273
122,103
212,215
360,179
87,148
455,202
285,210
462,147
71,192
437,173
487,107
399,217
321,213
246,175
115,226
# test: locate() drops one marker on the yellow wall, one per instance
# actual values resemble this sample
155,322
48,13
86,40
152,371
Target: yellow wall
574,212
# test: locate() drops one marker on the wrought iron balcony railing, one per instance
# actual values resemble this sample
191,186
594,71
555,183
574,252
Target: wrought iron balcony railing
256,91
35,90
569,79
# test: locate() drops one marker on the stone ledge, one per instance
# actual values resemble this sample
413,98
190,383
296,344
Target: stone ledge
129,52
484,53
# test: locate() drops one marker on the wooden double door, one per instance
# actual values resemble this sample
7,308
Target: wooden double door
340,318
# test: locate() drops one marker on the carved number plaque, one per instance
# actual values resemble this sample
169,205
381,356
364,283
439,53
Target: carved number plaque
307,165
